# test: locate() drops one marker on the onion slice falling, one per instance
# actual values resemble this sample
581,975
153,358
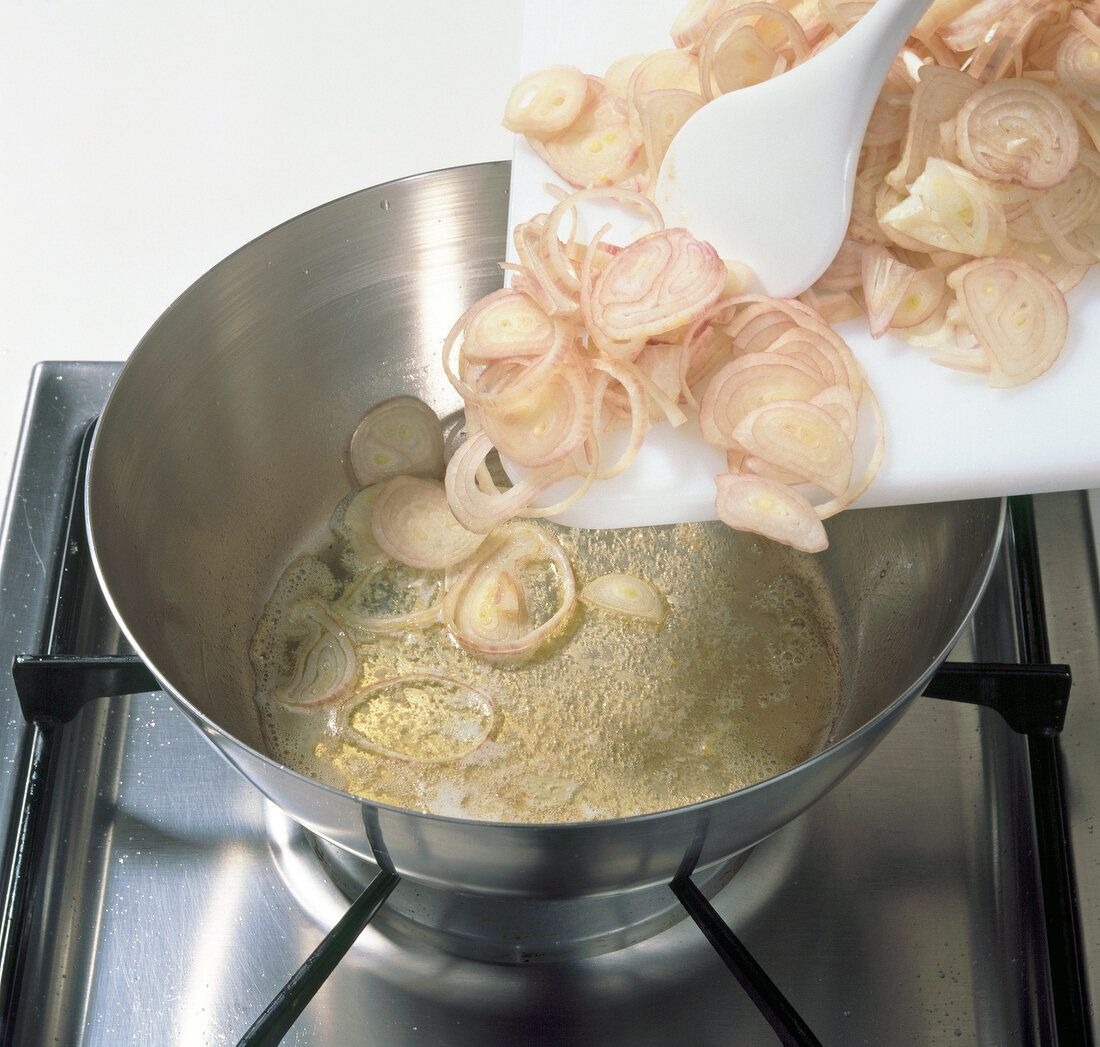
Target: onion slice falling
412,522
769,508
400,436
544,423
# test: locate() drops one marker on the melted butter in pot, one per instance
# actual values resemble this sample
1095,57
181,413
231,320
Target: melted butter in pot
617,716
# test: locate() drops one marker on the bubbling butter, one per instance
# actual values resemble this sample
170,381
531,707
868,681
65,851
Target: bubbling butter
615,716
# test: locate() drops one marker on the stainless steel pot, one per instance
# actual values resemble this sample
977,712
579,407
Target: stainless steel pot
220,453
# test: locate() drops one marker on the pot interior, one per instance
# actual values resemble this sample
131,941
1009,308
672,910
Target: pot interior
222,450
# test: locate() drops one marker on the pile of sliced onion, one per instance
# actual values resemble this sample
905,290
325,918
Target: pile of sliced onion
984,144
785,408
590,337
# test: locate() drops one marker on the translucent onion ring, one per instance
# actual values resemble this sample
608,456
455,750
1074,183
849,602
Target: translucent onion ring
325,666
412,723
412,522
486,608
420,618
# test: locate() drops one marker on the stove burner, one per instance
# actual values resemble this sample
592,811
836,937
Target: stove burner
495,929
417,922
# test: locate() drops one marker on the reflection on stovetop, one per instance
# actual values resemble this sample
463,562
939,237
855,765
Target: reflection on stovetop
173,901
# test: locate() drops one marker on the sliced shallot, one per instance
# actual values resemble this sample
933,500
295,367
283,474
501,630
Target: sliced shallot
400,436
1017,314
663,280
599,148
419,717
748,382
801,438
352,522
885,283
412,522
546,101
325,665
507,325
542,425
769,508
477,507
513,595
949,208
1017,131
391,597
625,594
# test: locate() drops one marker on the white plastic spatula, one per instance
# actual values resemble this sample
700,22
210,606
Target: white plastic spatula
766,174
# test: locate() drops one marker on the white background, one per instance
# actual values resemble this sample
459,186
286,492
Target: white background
141,142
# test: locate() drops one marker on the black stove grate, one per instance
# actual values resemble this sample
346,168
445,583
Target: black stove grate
1031,696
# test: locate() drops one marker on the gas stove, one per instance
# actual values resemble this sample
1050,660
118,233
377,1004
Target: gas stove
947,892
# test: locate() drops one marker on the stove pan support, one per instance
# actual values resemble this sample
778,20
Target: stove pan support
1031,697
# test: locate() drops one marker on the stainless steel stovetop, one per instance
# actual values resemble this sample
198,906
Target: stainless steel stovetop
172,901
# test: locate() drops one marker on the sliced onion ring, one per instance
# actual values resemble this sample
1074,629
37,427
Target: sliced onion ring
801,438
359,610
767,507
546,101
544,424
325,666
412,522
625,594
399,436
420,717
487,608
478,509
661,281
1019,131
1017,314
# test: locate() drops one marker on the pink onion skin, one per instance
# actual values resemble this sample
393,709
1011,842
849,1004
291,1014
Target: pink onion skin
774,510
661,281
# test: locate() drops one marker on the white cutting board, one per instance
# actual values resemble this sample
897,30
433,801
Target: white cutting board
948,434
